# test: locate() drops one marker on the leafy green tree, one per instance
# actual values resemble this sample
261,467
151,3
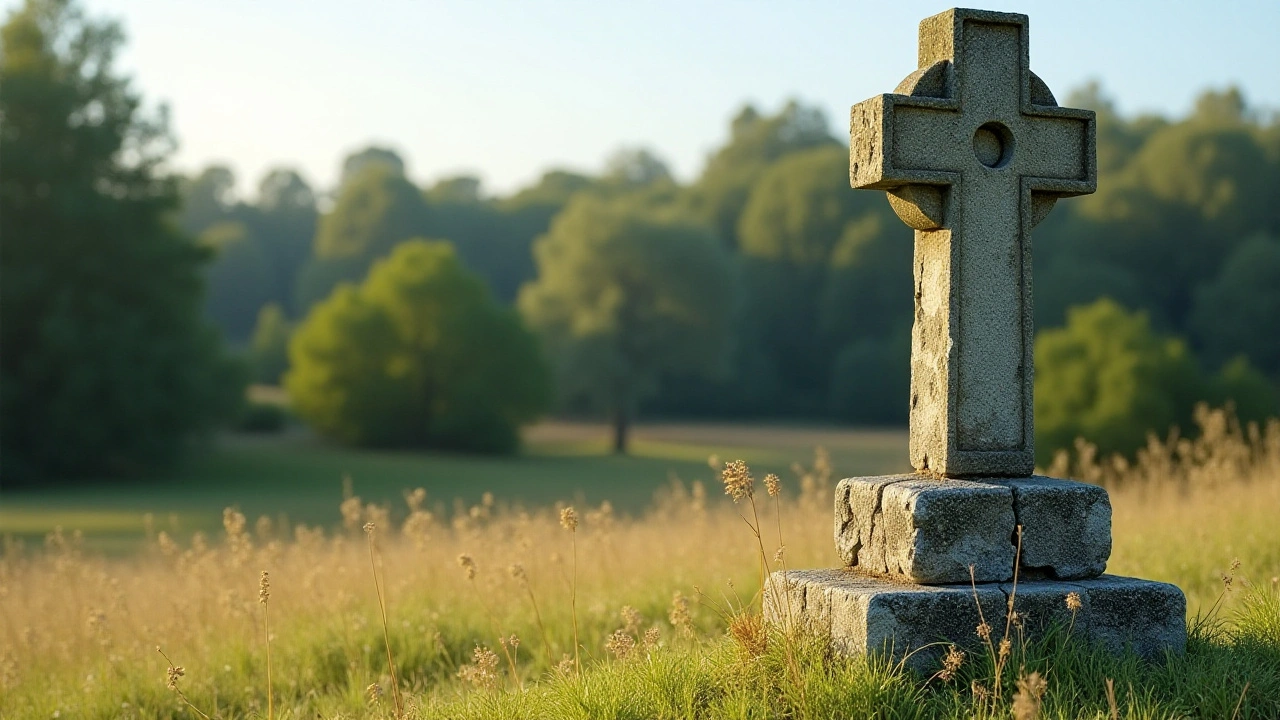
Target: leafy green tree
797,211
208,199
269,346
376,210
1254,397
868,288
418,355
108,366
871,380
357,162
1173,213
755,143
635,167
1109,378
286,228
624,295
239,280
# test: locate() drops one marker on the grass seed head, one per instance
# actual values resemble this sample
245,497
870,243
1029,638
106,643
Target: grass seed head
773,484
1073,602
632,619
737,480
651,637
679,614
620,644
984,631
1026,704
483,670
569,519
172,675
951,663
264,588
468,565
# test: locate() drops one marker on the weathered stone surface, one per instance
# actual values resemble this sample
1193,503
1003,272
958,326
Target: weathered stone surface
974,151
924,530
868,615
1066,526
919,529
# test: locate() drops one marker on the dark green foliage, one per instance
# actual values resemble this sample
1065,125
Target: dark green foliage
871,380
269,347
1255,397
260,417
1108,377
357,162
286,227
755,142
376,210
419,355
806,301
238,280
107,365
1239,310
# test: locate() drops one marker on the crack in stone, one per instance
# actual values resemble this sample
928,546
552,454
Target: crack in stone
877,513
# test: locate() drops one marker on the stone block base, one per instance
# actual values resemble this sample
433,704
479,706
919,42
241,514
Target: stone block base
921,529
863,614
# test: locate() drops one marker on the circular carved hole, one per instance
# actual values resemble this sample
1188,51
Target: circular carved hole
993,145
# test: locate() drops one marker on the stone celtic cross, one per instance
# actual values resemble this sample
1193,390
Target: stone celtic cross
973,151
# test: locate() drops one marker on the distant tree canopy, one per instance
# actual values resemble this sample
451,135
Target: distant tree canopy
275,239
108,367
418,355
1108,377
624,295
1182,229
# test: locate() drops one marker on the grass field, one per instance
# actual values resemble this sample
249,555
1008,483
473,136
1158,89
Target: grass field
294,476
653,595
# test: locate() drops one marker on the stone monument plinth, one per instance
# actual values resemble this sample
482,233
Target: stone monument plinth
973,151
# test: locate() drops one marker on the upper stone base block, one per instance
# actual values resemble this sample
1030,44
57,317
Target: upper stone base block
920,529
865,615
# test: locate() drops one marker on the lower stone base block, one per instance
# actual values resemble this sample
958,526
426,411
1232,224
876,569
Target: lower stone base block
865,614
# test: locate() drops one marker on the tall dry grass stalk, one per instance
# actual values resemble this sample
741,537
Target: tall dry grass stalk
569,521
264,594
369,529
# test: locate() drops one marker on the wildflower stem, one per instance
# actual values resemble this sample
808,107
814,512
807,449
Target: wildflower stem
573,602
173,685
266,636
386,632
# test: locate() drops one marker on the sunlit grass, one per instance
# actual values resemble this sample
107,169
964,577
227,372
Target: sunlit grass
79,630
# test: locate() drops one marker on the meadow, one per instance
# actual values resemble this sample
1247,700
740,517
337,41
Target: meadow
640,602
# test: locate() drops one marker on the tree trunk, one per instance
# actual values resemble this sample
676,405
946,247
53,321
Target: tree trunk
620,428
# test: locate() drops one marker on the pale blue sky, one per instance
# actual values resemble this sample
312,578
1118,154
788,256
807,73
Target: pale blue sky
506,90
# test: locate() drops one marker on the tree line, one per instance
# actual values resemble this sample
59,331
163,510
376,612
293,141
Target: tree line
764,288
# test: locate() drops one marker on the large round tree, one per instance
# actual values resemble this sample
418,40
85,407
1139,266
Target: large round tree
419,355
625,294
106,365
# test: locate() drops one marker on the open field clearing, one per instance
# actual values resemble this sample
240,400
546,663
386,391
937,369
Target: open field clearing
301,479
649,597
